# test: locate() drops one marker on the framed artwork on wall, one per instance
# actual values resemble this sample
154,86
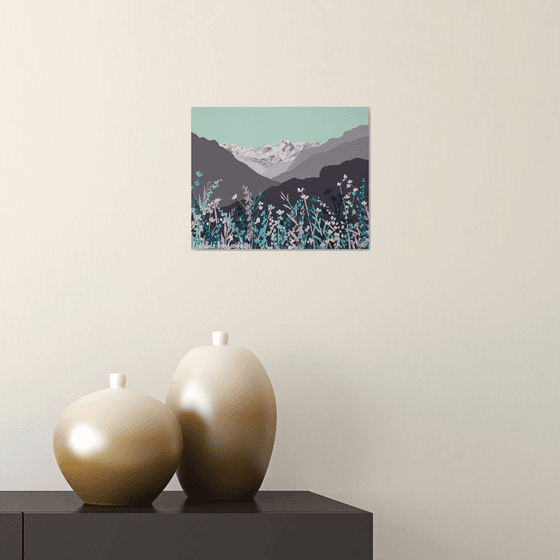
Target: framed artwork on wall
280,178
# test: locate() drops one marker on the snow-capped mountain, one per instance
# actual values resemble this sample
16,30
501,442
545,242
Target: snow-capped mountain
262,158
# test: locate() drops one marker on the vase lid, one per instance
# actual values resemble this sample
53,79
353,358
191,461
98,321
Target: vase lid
220,338
117,380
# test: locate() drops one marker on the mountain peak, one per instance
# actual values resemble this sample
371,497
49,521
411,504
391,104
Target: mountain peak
266,155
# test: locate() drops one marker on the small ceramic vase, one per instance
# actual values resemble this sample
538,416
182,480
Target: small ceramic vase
226,407
117,447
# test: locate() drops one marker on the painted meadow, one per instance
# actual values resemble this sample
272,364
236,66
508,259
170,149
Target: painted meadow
303,223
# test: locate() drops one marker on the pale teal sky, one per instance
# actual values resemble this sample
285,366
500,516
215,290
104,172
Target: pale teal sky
255,126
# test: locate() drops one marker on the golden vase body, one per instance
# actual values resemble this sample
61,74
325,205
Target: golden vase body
117,447
225,405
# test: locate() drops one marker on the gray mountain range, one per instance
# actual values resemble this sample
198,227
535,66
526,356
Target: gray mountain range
284,171
281,161
348,136
335,154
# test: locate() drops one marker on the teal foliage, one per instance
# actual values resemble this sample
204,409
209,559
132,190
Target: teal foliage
307,223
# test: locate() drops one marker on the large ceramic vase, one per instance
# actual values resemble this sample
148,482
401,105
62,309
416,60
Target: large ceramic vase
118,447
225,404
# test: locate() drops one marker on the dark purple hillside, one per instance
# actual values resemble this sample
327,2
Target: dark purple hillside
324,187
215,162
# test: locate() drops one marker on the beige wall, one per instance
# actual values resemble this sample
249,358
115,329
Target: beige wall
418,380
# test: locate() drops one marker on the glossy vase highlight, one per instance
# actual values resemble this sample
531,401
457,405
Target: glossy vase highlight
225,404
117,447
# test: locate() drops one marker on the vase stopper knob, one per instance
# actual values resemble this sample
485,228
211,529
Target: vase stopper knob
220,338
117,380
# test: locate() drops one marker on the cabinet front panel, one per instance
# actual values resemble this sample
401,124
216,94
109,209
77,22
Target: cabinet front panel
201,536
11,536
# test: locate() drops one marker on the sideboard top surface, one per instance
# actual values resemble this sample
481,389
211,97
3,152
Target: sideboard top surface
292,501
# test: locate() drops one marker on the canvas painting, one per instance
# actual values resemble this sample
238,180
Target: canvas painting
280,178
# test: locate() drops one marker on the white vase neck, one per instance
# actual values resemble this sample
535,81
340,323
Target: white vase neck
220,338
117,380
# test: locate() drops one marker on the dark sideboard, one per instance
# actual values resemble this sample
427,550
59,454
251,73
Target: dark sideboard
279,525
